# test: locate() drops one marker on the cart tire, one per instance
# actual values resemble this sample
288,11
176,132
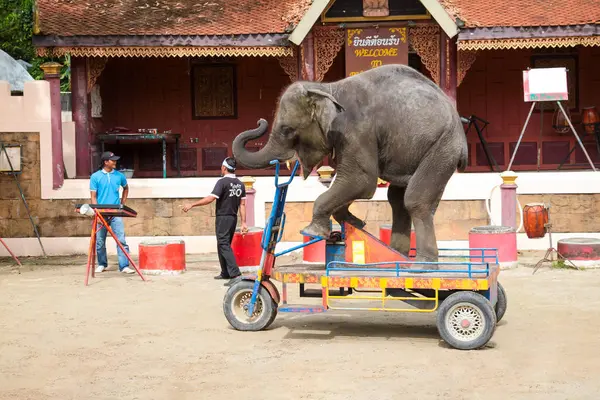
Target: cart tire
501,303
238,297
466,320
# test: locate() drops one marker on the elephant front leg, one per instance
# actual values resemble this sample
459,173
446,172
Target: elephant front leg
336,199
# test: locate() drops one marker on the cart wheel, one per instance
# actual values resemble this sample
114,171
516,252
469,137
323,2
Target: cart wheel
235,307
501,304
466,320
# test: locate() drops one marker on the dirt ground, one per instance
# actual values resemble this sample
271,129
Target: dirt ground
121,338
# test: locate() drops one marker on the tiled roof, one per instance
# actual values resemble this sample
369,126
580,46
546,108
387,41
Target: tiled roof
168,17
478,13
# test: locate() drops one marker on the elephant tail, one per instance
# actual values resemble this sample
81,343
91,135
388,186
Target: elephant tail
464,151
464,158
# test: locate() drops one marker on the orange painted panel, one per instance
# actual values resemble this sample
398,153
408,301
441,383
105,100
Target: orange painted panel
364,248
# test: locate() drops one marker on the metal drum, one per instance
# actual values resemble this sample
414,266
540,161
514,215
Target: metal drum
246,248
535,218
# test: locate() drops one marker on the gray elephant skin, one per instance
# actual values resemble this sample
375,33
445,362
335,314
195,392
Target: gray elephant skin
390,122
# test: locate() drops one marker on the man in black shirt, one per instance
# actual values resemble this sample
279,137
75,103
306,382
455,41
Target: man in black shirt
230,194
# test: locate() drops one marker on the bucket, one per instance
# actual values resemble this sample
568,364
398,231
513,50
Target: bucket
162,257
246,248
385,235
502,238
313,253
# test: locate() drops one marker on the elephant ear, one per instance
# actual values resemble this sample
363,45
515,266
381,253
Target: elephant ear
324,108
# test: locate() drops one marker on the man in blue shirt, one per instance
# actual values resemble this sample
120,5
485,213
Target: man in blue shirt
104,188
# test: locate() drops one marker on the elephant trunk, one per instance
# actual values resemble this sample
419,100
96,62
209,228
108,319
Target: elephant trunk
262,158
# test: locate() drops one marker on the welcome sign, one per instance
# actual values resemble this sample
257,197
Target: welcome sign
373,47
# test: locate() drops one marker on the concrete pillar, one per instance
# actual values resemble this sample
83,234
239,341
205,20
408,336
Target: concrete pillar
248,182
508,193
52,75
325,175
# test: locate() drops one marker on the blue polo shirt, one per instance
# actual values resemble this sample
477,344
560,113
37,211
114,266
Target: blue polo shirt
106,185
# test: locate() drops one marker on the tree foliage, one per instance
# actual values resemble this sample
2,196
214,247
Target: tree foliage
16,33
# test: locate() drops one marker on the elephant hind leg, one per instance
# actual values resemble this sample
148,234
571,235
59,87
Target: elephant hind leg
424,192
401,220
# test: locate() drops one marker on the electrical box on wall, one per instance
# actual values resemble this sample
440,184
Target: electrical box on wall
10,153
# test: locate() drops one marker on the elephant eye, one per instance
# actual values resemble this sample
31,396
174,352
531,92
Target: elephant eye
287,131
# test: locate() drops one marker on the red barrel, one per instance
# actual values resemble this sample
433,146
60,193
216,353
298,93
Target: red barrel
246,248
313,253
502,238
162,257
385,235
581,249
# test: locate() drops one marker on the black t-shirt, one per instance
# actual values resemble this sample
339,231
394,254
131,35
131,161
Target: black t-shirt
229,192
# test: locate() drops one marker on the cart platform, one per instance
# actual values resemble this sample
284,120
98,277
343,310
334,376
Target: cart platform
459,278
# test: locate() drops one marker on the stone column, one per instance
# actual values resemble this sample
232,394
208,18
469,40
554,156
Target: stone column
248,182
52,75
508,193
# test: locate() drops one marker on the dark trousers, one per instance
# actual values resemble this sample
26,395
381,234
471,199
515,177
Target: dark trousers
225,229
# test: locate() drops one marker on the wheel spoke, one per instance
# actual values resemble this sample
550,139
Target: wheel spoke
465,322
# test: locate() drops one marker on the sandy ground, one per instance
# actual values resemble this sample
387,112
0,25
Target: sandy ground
121,338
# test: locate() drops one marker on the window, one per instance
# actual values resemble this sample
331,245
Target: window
214,94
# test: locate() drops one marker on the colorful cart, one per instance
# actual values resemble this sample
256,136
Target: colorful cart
362,273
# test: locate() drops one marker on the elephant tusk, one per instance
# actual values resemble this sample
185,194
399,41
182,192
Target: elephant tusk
287,163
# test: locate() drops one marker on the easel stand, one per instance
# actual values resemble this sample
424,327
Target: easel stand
572,129
14,174
551,250
100,220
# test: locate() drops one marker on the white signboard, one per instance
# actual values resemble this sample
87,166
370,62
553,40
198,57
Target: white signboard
15,158
545,84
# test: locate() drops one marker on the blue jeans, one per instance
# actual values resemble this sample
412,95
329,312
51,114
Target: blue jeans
117,226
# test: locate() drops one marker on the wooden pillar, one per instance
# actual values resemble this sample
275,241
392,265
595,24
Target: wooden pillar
52,75
448,65
307,58
308,69
81,116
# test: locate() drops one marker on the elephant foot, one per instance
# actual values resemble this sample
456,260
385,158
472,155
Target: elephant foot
317,230
433,259
350,219
355,222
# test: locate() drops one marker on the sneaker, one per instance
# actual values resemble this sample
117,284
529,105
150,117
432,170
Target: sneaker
128,270
221,277
100,268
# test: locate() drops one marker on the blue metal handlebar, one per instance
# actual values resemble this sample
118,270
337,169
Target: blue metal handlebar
276,163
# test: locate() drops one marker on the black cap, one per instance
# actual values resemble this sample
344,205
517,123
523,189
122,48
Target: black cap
109,155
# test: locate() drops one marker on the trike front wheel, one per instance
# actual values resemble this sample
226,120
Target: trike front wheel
235,307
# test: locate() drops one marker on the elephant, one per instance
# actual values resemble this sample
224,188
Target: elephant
390,122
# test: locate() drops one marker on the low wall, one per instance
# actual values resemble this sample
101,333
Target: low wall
57,218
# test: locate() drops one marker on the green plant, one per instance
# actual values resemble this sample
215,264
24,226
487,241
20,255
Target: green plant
16,38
